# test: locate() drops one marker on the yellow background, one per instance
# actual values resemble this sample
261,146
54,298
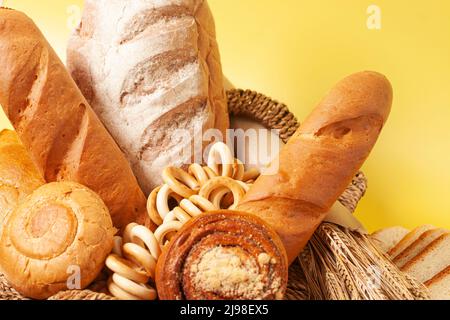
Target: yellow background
295,50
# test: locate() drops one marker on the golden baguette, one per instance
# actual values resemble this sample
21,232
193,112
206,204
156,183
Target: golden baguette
62,134
321,159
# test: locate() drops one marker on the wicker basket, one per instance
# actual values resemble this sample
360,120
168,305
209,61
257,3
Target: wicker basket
336,265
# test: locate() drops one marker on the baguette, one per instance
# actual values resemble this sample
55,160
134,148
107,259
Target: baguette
157,73
321,159
62,134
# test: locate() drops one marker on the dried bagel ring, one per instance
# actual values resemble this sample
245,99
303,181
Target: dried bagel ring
199,173
180,181
166,229
221,150
135,291
238,170
220,182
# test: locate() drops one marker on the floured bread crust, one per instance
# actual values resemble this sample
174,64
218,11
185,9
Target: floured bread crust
151,70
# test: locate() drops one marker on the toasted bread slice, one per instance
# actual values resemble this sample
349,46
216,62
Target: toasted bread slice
439,286
418,246
431,261
408,240
387,238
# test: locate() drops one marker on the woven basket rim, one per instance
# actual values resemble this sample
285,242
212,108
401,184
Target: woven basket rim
273,115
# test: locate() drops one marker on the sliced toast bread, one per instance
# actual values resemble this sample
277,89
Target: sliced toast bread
418,246
387,238
408,240
431,261
439,286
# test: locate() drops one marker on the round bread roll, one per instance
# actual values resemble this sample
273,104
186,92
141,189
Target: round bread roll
57,239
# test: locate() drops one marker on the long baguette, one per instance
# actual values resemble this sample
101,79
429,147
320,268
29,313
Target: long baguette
320,160
63,136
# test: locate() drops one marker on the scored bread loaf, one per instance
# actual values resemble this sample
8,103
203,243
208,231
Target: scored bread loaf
151,70
320,160
418,246
63,136
388,238
18,175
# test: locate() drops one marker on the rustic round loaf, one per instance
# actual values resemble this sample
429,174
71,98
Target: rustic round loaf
57,239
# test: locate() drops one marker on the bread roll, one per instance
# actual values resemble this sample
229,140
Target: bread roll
321,159
18,175
61,228
62,134
150,68
223,255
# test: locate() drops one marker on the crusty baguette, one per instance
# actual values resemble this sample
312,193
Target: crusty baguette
408,240
418,246
150,68
431,261
62,134
439,286
18,175
388,238
321,159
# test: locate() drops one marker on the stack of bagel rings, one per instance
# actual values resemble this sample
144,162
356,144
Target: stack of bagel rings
184,195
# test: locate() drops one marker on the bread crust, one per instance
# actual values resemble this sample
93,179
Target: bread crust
320,160
62,134
158,73
61,229
18,175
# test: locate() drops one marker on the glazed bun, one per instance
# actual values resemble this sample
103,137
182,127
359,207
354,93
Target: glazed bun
60,230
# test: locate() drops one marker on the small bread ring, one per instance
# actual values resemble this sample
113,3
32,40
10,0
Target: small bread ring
232,185
162,201
221,150
152,209
218,195
141,257
238,170
210,172
165,229
199,173
181,215
125,268
180,181
139,234
127,235
203,204
190,208
136,291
